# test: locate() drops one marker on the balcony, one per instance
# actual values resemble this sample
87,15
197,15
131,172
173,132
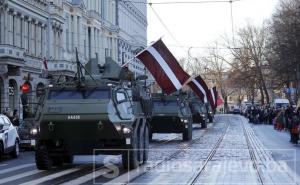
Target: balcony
14,55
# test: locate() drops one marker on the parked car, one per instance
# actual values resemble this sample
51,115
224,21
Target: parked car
9,138
236,111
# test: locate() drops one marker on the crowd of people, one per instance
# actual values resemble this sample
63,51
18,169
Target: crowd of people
12,115
284,118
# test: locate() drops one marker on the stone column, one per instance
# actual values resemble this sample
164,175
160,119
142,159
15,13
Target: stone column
22,29
8,36
35,38
45,48
5,93
79,32
92,42
2,25
51,41
42,40
75,32
38,39
25,33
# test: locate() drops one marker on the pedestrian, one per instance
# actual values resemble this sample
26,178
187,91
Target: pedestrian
261,115
288,117
294,128
15,120
280,121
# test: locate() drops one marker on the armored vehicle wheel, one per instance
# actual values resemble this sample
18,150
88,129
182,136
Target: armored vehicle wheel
203,124
130,156
141,144
57,161
146,145
68,159
42,158
1,150
16,152
187,133
150,136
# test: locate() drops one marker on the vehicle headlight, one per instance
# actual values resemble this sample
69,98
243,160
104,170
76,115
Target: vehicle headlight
203,115
126,130
184,120
33,131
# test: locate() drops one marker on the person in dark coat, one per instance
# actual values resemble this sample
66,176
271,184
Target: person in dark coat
288,117
294,128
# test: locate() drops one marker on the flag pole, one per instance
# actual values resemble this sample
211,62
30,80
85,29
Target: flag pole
130,60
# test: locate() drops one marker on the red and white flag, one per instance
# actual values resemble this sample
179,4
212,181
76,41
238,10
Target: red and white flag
45,62
214,94
200,88
164,67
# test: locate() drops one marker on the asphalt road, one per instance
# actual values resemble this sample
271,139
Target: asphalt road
228,143
23,170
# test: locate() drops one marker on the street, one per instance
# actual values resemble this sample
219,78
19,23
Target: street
227,152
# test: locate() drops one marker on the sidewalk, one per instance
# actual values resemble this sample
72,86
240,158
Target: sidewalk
278,143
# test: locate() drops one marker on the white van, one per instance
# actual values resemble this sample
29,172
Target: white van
279,103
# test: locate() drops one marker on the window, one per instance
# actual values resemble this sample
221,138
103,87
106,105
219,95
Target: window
79,94
165,103
6,121
121,97
1,121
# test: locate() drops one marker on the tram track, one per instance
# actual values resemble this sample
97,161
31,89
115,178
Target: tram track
252,154
209,157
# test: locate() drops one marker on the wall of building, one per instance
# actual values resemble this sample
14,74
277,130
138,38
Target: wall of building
132,21
32,30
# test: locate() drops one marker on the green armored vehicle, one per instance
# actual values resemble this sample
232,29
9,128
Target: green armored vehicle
199,111
96,114
171,114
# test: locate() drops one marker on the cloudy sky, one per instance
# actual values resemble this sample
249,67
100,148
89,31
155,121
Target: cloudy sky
198,25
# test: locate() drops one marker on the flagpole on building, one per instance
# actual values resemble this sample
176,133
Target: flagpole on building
130,60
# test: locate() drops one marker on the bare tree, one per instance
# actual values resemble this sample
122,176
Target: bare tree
284,40
249,56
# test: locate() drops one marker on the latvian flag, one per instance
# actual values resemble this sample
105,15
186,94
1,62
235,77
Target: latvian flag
200,88
214,94
164,67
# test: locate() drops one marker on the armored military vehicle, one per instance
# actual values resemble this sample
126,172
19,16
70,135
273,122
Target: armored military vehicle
210,113
104,112
199,111
171,114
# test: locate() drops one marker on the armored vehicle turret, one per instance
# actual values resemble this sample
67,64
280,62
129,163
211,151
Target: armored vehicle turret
171,114
103,113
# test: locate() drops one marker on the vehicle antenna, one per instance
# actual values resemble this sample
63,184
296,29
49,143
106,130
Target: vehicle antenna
80,76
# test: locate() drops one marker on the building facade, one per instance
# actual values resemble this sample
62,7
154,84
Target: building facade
132,21
23,44
39,38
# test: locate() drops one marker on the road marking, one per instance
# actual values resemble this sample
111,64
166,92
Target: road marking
16,168
3,165
51,177
19,176
88,177
129,176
